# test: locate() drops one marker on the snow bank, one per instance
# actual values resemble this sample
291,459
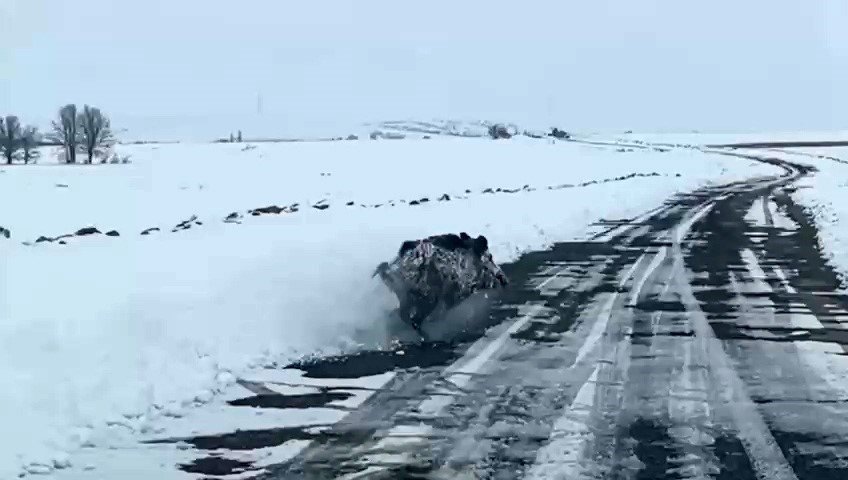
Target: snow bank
823,195
123,331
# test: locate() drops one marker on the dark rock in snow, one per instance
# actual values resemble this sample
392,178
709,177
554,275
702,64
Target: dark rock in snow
322,206
185,224
424,200
113,233
467,191
62,242
4,232
444,198
87,231
499,131
415,202
147,231
61,185
43,239
488,190
677,175
198,222
557,133
352,137
349,204
271,209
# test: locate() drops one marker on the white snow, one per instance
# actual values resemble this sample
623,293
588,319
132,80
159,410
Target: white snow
695,138
135,333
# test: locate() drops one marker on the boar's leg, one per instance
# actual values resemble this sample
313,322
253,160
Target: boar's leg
417,308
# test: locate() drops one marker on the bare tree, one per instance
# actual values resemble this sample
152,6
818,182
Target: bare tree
96,132
30,138
10,137
66,132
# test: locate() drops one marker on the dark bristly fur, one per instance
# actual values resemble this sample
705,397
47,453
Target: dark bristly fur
439,272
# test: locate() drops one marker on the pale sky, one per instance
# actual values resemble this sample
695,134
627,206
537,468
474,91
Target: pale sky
599,64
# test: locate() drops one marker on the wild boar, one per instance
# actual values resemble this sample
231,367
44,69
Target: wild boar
437,273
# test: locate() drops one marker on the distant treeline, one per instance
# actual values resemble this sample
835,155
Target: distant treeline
85,133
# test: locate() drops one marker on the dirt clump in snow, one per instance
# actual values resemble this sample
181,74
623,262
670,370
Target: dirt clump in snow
87,231
271,209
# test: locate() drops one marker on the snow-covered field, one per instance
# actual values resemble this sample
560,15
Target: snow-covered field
694,138
128,330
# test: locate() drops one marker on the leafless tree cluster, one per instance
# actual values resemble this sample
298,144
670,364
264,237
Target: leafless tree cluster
18,142
233,138
87,133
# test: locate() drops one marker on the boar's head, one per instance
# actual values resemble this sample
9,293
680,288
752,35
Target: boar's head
491,275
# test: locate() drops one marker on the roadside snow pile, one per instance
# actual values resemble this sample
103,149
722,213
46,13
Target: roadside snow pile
111,334
823,195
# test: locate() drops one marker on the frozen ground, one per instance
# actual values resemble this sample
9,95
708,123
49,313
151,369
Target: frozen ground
128,332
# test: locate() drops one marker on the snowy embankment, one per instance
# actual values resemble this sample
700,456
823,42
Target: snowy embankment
129,329
823,195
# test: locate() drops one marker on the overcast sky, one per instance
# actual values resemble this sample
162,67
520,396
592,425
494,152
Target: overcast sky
641,64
